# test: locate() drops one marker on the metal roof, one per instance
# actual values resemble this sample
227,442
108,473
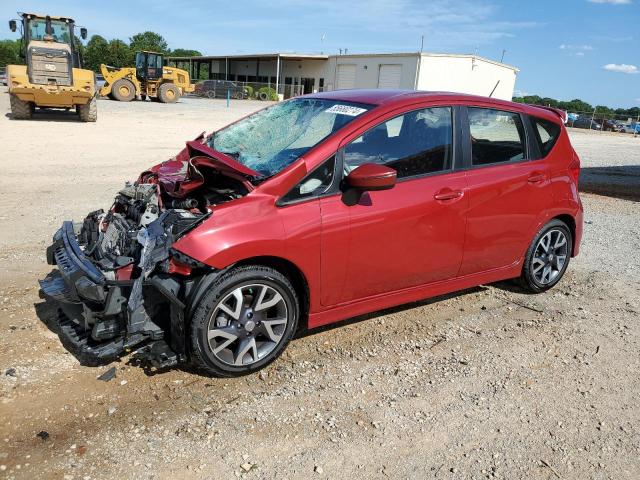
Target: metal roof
288,56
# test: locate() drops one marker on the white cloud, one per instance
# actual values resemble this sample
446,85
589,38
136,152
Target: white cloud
612,2
565,46
621,68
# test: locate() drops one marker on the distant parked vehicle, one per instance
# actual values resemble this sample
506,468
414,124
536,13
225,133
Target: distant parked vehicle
609,125
631,128
584,122
100,81
219,89
3,78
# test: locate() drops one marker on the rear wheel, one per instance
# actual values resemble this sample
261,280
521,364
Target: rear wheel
20,110
244,322
547,257
89,111
123,90
168,93
211,94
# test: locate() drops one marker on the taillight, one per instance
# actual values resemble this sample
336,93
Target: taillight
574,168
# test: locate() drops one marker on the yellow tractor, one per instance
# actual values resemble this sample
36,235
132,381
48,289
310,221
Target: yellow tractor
53,76
149,78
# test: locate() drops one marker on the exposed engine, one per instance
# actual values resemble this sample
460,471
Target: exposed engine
119,282
112,239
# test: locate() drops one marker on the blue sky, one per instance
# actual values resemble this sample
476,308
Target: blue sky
566,49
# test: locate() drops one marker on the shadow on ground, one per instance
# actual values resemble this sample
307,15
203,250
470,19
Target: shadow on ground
619,181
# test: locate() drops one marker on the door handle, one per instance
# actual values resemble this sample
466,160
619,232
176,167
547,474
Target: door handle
448,194
537,177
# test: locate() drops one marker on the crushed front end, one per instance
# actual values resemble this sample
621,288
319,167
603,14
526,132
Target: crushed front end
119,285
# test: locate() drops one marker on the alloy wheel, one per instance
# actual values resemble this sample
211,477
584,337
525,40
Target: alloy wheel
549,256
247,324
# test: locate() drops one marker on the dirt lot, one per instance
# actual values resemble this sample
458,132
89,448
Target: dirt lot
487,383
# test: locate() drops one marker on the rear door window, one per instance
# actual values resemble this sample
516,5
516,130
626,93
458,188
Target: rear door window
497,136
546,133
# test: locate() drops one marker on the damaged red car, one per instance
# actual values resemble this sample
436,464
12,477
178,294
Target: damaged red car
311,211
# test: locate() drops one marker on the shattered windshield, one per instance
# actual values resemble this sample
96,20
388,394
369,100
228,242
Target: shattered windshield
271,139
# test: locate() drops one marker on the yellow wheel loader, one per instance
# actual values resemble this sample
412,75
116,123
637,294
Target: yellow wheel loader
149,78
53,76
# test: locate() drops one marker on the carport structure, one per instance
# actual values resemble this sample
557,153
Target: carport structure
288,73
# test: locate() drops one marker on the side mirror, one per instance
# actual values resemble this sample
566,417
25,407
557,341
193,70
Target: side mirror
12,25
372,176
83,33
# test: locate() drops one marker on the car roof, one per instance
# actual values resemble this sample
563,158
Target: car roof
390,97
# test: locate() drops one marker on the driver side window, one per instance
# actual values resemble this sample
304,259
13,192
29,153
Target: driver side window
415,143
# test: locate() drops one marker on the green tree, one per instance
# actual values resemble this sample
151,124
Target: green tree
96,52
10,53
182,52
150,41
119,54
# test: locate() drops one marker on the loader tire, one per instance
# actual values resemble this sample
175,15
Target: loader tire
20,110
168,93
123,90
89,111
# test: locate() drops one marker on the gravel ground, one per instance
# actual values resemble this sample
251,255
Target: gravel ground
486,383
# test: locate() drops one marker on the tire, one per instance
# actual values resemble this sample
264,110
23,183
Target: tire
20,110
248,337
123,90
543,268
210,94
168,93
89,111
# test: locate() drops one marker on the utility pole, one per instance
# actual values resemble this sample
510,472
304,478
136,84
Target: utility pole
421,43
502,57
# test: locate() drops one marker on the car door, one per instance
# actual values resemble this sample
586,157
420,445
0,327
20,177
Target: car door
407,236
507,192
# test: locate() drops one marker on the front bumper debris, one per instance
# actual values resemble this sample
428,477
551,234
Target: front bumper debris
100,318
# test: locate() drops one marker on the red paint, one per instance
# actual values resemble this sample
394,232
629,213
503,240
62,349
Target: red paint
424,236
371,176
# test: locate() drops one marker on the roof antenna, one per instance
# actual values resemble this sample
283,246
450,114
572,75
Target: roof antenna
494,89
502,57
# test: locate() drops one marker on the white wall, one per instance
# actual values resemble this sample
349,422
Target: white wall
465,74
368,68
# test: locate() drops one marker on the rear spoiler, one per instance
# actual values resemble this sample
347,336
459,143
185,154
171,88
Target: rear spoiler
560,113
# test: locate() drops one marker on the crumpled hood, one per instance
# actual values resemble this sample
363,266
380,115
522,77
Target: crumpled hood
180,175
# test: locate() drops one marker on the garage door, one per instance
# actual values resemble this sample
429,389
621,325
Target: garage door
346,77
389,76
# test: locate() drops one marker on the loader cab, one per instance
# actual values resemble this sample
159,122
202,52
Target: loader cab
148,66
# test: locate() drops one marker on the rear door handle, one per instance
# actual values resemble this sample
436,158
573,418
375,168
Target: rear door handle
448,194
537,177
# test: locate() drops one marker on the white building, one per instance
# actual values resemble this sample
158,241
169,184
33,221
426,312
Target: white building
292,74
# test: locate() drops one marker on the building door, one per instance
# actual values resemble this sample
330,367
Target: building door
389,76
308,85
346,77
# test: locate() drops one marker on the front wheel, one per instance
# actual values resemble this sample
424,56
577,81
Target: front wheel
168,93
89,111
547,257
20,109
244,322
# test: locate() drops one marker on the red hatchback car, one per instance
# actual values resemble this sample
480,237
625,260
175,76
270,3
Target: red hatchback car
315,210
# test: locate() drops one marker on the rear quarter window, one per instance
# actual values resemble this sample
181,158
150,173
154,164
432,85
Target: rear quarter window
546,133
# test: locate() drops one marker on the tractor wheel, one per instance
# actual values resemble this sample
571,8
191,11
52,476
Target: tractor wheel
123,90
89,111
168,93
20,110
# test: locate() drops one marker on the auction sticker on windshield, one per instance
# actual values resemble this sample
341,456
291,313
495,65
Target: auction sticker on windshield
346,110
